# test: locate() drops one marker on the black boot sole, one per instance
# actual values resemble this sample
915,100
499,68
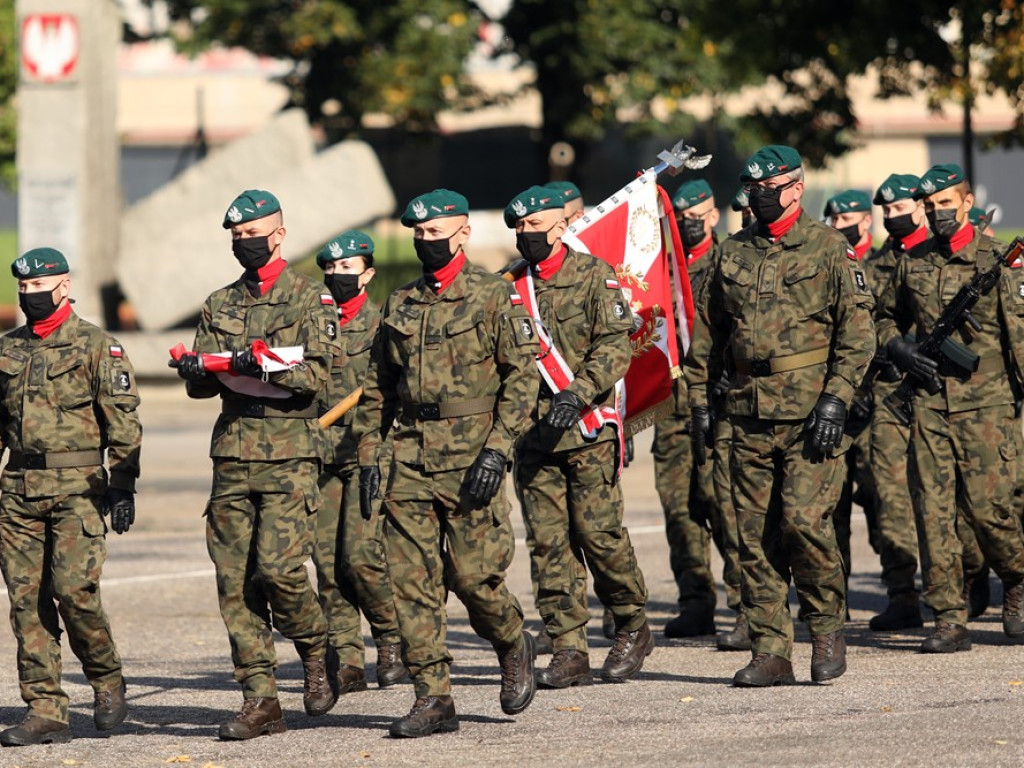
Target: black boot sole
785,680
963,645
446,726
267,729
587,679
58,737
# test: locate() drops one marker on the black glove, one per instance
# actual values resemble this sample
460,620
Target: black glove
700,433
826,424
369,489
565,410
485,476
120,505
630,453
244,363
909,360
190,367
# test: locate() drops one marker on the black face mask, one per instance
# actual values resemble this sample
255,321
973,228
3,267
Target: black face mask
851,233
943,222
900,226
433,254
765,203
343,287
533,246
252,252
692,232
37,306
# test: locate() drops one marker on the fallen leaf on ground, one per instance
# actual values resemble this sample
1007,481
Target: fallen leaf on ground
887,708
69,762
364,754
179,759
568,709
1000,742
687,699
1014,682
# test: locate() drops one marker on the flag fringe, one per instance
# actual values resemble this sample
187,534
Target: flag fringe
636,424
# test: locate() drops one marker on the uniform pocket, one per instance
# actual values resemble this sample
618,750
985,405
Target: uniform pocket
808,288
93,525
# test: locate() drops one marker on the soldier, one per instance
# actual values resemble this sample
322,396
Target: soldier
791,308
687,492
266,446
67,392
567,464
451,368
741,204
979,220
965,441
572,197
352,573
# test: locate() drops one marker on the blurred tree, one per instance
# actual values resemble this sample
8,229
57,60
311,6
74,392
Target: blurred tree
8,83
403,58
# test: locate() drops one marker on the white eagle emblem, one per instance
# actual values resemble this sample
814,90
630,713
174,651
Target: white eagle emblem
419,210
518,208
234,214
928,186
887,194
755,171
22,266
335,250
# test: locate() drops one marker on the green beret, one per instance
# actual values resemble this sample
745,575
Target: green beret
741,200
978,217
692,193
434,205
534,199
899,186
40,262
350,243
567,189
773,160
251,205
850,201
939,177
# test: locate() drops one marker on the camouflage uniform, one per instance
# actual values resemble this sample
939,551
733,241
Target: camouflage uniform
965,440
73,391
456,371
693,517
568,485
352,573
266,460
799,295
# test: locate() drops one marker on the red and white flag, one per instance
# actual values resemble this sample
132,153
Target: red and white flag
635,232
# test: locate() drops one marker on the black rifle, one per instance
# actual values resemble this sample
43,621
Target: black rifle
939,345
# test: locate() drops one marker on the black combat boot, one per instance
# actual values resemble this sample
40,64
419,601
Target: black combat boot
691,622
626,658
109,707
902,612
947,638
350,679
1013,609
517,680
256,718
36,730
977,594
828,659
568,667
765,670
430,714
390,669
739,638
320,688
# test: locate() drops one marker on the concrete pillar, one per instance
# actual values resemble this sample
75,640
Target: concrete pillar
69,194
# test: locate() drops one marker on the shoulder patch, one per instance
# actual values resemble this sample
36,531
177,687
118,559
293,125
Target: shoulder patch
515,299
116,351
860,281
612,284
326,298
851,254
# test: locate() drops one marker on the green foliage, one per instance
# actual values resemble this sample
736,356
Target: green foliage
403,58
8,253
8,83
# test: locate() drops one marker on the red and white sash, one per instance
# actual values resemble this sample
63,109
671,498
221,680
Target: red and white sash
558,375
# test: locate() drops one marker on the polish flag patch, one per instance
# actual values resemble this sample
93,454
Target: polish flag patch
612,284
516,299
326,299
1016,263
115,351
851,254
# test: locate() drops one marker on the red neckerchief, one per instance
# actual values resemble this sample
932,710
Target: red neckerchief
350,309
269,273
44,328
698,250
446,274
963,236
548,268
915,238
780,227
861,250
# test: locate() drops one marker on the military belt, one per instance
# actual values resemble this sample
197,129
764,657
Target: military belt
451,410
58,460
766,366
254,409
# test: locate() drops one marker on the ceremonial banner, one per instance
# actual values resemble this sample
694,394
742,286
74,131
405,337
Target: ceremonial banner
635,232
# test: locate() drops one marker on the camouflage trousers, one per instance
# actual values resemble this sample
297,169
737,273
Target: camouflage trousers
572,507
436,539
690,505
858,488
352,573
725,531
52,551
784,504
259,533
965,465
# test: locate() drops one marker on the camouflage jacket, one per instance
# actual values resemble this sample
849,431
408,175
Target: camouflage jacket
467,343
589,321
347,374
801,295
75,390
924,282
294,312
699,271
